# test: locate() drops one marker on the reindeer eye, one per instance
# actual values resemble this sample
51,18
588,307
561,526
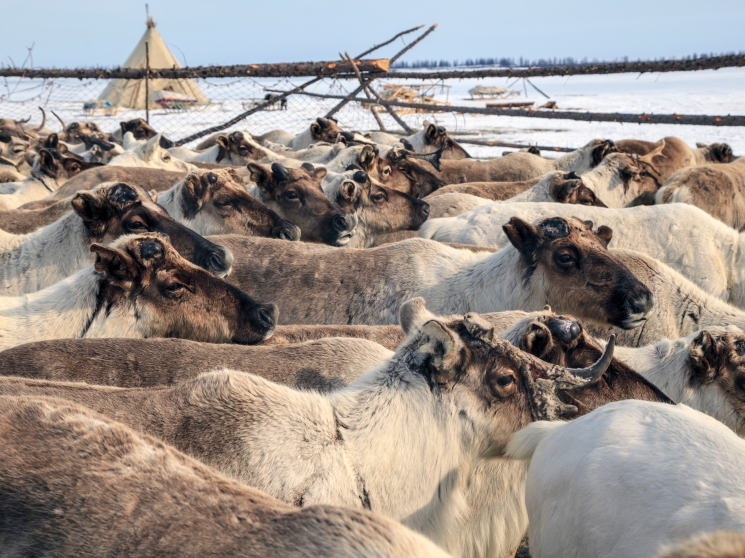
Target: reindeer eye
175,287
564,259
75,168
223,204
166,157
378,198
136,226
387,171
504,381
291,195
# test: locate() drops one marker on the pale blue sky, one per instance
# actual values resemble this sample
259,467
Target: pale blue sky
103,32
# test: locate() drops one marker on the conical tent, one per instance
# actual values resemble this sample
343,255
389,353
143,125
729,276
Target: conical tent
130,93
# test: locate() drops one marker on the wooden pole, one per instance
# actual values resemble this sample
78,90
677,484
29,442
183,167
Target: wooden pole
369,90
366,90
147,82
354,93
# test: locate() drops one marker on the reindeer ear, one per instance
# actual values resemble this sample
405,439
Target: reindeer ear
47,162
367,158
561,191
193,193
153,195
52,141
261,176
538,339
413,313
605,234
94,209
478,327
350,191
705,357
700,144
315,129
150,147
523,236
116,264
224,147
431,131
443,347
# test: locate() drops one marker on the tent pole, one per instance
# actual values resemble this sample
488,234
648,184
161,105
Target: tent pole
147,83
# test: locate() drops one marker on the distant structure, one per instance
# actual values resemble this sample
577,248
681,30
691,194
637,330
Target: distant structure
130,93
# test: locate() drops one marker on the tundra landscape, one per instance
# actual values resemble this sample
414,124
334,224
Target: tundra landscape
372,307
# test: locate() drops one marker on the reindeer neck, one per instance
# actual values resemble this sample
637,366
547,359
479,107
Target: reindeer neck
33,261
537,193
49,183
485,282
663,364
170,200
389,417
63,310
577,161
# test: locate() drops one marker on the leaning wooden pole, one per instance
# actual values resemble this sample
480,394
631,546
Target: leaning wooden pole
370,91
366,90
400,53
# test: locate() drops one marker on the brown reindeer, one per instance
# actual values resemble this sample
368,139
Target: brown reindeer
523,165
157,180
676,154
717,189
561,262
322,364
216,202
379,210
100,489
117,209
297,195
496,191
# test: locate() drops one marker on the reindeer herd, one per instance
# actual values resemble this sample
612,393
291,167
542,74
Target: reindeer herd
346,344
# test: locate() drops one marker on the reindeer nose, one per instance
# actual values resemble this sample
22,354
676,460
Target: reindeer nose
424,210
340,223
566,330
220,262
265,317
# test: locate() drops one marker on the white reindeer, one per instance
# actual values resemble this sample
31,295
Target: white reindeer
138,287
148,153
629,477
689,240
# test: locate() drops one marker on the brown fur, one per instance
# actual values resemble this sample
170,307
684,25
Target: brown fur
516,167
176,298
148,179
323,365
120,209
382,210
73,483
24,221
675,155
496,191
619,381
719,544
296,194
368,286
422,181
220,193
717,189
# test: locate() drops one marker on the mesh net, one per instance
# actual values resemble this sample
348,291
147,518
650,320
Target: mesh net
76,100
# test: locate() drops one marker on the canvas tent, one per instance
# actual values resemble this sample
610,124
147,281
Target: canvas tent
131,93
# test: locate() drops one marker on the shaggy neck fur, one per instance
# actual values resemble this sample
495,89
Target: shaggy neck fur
538,193
666,365
484,282
36,187
69,309
579,161
372,414
37,260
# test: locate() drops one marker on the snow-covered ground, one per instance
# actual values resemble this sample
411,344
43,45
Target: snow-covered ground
719,92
